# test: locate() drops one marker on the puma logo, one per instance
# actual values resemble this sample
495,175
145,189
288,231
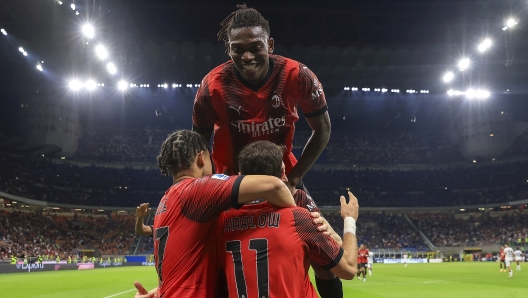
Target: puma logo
238,110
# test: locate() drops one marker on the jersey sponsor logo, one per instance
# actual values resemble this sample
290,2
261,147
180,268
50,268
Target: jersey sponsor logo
270,220
272,125
220,176
238,110
162,208
275,101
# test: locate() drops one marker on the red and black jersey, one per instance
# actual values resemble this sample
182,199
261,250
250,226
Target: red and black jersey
187,229
362,256
240,115
268,251
304,200
502,255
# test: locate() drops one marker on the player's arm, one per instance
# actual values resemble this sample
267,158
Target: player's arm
313,105
346,268
141,212
314,147
269,188
204,115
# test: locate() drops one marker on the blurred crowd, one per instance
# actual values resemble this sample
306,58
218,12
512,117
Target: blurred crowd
33,234
444,229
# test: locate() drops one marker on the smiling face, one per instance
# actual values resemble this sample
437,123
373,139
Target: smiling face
249,49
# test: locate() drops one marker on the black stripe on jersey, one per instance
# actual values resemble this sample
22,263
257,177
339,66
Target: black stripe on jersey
316,113
235,191
335,261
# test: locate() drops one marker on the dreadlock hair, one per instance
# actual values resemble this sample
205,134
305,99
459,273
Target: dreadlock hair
261,158
179,150
244,17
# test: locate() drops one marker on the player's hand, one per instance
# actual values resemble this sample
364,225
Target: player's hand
142,210
325,227
350,209
142,293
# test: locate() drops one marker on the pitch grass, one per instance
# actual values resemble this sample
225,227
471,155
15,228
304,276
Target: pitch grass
451,280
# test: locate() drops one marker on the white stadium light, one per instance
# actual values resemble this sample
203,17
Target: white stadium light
355,88
3,31
39,67
25,53
384,90
448,77
484,45
88,30
463,64
511,23
77,13
72,6
111,68
21,49
90,84
101,52
122,85
60,2
75,85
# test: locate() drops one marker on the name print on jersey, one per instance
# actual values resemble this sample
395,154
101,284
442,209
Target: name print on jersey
272,125
270,220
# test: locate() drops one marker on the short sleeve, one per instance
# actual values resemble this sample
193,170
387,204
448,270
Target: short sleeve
322,249
204,199
204,115
312,98
303,200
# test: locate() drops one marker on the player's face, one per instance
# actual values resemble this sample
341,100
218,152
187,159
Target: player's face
249,49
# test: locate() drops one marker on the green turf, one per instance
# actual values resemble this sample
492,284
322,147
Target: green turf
451,280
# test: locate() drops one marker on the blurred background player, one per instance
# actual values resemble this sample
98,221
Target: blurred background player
502,258
370,262
405,257
255,96
518,258
362,261
508,252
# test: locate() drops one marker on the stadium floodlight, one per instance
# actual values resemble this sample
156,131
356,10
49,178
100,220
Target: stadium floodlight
511,23
75,85
77,13
25,53
484,45
3,31
72,6
101,52
448,77
60,2
39,67
111,68
383,90
122,85
21,49
90,84
355,88
88,31
463,64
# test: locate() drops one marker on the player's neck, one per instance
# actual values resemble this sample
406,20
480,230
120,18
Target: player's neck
192,172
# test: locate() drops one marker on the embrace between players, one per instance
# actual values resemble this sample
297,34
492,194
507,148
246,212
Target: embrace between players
229,235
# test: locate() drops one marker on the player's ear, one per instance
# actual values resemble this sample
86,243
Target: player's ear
200,159
271,45
284,177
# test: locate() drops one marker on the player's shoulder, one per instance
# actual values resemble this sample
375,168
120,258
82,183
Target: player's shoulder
222,70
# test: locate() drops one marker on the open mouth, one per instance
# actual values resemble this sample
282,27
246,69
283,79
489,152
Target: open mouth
249,67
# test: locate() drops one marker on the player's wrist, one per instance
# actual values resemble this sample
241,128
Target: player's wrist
349,225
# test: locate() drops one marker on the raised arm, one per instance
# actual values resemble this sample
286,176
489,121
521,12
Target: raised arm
141,212
347,266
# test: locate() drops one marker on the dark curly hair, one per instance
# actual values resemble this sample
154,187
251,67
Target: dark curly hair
244,17
179,150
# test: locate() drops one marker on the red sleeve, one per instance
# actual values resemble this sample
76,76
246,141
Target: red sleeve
303,200
312,98
209,196
204,115
322,249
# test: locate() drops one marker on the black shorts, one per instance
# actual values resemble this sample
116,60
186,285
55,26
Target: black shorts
362,265
503,261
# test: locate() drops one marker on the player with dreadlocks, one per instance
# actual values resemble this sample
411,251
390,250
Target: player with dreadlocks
255,96
187,225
